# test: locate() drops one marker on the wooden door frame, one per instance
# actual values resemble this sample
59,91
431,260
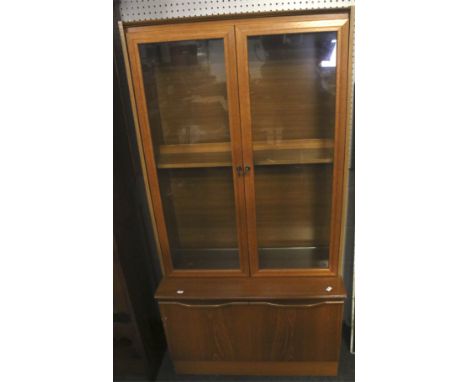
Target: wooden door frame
181,32
338,23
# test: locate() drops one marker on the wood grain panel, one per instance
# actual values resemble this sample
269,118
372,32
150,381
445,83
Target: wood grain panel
253,332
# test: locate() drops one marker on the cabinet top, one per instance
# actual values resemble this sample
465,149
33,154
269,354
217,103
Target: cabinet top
250,288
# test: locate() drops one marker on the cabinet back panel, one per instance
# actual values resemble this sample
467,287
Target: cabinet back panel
200,214
293,205
185,86
292,95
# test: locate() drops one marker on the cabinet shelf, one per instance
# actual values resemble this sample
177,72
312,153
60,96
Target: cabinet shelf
296,151
195,155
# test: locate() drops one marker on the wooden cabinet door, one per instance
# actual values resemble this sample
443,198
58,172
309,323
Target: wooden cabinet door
185,84
293,91
260,337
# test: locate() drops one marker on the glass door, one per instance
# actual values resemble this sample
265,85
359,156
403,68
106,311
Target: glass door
186,93
291,80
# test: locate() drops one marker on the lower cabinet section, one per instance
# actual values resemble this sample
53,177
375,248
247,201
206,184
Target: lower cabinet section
254,337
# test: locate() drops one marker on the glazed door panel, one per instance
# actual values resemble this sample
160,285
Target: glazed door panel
292,81
186,92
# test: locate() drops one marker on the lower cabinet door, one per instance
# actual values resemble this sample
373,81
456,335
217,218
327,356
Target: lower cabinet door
263,338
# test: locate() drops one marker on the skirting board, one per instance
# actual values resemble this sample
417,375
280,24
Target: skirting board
258,368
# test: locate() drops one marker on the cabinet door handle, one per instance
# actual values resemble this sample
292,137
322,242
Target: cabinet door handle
250,303
239,170
202,305
295,305
247,169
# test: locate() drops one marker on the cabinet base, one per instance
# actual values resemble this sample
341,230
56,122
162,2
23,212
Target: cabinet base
271,326
258,368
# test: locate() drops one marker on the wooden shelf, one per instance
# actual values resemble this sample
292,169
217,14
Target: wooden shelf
295,151
195,155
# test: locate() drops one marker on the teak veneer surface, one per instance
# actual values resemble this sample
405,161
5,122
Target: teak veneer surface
254,337
229,288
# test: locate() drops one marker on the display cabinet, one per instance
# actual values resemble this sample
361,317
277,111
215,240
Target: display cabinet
243,126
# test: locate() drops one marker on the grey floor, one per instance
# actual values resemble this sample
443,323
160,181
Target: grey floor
345,373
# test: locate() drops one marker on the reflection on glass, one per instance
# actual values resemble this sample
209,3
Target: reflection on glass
185,89
331,62
292,90
185,85
292,95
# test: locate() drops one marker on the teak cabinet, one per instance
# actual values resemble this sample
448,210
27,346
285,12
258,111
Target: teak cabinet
243,126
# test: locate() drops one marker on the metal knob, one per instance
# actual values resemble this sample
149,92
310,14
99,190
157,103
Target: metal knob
239,170
247,169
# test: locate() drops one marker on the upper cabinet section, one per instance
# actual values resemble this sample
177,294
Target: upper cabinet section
243,126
